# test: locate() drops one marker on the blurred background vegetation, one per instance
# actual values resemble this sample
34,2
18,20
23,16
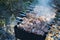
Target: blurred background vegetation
9,7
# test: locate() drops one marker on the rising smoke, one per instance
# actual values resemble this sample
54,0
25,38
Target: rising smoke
43,8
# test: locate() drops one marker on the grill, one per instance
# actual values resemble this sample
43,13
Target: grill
23,35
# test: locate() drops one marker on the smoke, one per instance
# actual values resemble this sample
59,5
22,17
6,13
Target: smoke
43,8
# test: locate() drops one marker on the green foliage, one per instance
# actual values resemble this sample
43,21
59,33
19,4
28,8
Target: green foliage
58,16
28,0
13,7
12,4
2,22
